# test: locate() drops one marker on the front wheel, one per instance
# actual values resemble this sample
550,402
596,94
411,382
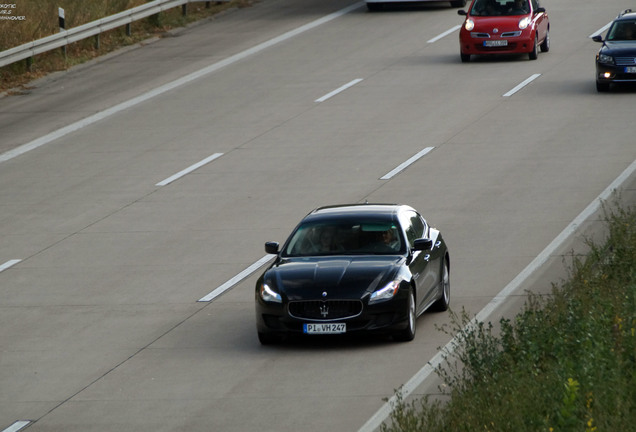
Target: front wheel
408,334
443,302
602,87
535,51
269,338
458,3
545,45
465,57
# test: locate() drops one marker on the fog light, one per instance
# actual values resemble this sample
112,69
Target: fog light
607,75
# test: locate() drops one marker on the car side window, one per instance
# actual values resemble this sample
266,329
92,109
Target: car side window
535,5
413,226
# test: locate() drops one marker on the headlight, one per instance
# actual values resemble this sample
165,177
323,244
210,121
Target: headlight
469,24
386,293
604,58
524,23
269,295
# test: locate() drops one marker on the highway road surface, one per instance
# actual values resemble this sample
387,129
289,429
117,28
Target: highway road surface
136,193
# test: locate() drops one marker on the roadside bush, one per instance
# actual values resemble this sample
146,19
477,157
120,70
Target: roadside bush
566,362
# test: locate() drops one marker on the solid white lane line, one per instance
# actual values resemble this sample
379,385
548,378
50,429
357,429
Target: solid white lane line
236,279
522,85
189,169
15,427
383,413
403,165
446,33
8,264
172,85
338,90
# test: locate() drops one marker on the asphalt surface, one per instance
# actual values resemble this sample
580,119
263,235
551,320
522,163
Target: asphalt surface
108,241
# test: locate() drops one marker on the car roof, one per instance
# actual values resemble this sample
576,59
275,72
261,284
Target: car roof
366,209
627,14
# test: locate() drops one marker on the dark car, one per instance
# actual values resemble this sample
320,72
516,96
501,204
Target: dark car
353,268
504,27
374,5
616,60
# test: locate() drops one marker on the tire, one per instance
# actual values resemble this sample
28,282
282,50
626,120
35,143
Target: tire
532,55
373,7
465,57
545,45
458,3
602,87
443,302
269,338
408,334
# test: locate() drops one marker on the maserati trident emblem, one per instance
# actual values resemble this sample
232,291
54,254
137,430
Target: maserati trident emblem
324,310
324,293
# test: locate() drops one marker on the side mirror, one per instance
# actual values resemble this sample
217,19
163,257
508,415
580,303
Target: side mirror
271,247
597,38
540,10
423,244
462,12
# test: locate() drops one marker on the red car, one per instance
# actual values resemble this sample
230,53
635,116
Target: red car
504,27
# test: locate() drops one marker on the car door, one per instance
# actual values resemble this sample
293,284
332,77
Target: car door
541,19
422,264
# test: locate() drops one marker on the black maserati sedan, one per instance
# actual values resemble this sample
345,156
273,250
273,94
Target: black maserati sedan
353,268
616,60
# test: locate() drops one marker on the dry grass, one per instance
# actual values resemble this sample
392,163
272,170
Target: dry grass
41,19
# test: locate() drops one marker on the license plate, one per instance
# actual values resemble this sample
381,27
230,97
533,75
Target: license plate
630,69
496,43
327,328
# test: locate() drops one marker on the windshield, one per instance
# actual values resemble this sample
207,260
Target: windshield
622,30
500,7
345,238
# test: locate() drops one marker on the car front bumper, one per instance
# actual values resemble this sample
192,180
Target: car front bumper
606,73
471,43
384,317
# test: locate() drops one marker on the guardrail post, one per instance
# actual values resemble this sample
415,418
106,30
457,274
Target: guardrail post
208,4
97,41
29,63
184,9
61,22
128,29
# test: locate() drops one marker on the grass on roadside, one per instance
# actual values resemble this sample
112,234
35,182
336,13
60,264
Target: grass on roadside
567,362
41,20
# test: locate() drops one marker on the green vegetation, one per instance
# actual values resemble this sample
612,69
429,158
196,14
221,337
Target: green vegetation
565,363
41,20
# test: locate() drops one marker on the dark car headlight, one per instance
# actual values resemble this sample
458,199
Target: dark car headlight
386,293
268,294
606,59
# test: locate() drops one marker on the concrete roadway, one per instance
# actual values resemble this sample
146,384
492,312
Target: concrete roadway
100,324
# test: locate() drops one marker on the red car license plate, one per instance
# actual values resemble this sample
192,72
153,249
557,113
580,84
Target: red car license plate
496,43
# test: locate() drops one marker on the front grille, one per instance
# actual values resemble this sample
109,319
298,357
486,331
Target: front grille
325,310
511,46
625,61
488,35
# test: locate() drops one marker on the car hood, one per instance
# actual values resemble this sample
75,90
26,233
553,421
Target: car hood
620,48
332,277
501,23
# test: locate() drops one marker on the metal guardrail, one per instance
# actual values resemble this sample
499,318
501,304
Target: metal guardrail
93,28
